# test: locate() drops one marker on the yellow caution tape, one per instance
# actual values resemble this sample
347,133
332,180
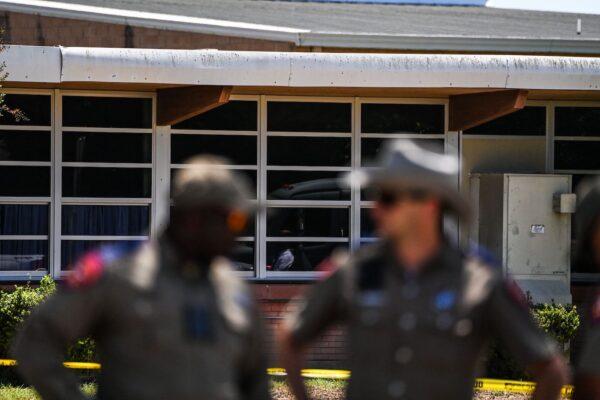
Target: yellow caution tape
491,385
81,365
501,385
314,373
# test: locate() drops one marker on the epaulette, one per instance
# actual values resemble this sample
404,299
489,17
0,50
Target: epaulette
482,254
91,266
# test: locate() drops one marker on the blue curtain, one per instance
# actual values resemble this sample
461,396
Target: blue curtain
23,219
105,220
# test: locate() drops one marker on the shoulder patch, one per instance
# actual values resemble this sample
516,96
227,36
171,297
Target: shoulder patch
87,270
91,266
516,294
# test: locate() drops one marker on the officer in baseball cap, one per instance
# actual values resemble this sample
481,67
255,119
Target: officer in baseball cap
171,319
587,223
418,311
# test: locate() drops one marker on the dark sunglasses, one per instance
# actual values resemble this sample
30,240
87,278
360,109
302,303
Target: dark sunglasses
388,198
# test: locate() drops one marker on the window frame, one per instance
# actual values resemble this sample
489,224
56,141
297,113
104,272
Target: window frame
166,177
269,203
14,275
552,139
360,204
58,237
161,171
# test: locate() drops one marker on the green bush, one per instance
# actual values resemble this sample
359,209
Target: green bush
17,304
557,320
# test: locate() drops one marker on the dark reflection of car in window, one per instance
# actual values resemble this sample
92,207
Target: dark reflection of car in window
242,256
302,256
317,189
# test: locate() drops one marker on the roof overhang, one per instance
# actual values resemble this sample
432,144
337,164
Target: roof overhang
290,69
304,37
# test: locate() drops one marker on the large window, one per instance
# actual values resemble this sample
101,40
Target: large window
308,145
26,184
104,166
88,168
229,131
383,121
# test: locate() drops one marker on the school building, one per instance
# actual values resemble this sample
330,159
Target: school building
119,94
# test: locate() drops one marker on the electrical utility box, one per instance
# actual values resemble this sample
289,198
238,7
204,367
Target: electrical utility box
525,221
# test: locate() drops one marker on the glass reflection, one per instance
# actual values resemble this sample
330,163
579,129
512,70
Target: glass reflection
23,255
315,222
242,256
298,256
305,185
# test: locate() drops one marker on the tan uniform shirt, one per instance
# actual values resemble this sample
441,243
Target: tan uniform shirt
418,337
589,359
160,335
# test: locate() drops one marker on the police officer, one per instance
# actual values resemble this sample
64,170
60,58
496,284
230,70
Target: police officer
418,312
171,320
587,378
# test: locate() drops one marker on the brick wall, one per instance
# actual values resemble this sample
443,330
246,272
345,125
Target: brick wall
276,301
36,30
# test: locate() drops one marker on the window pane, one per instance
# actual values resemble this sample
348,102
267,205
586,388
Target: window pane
23,255
233,116
307,222
107,112
250,230
36,108
250,176
298,256
288,116
305,185
576,155
105,220
243,256
370,148
367,227
309,151
24,181
106,182
107,147
239,150
23,219
24,146
402,118
577,121
72,250
528,121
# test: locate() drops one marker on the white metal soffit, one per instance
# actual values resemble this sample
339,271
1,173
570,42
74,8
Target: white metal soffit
301,37
292,69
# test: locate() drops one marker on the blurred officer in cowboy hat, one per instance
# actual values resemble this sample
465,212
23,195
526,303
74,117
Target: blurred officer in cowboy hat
418,311
587,377
171,319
